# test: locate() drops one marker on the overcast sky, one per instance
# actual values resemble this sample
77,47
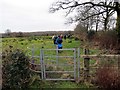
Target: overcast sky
30,15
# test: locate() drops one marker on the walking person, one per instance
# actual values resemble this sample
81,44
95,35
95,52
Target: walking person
65,37
59,42
54,37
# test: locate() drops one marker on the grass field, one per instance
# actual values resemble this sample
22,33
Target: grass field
45,42
38,42
42,42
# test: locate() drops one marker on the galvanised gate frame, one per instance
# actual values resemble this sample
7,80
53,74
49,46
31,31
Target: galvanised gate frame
59,64
49,63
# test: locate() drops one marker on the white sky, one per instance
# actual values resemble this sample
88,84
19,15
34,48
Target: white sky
30,15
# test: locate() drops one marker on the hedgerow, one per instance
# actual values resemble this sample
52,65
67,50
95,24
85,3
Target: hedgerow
15,69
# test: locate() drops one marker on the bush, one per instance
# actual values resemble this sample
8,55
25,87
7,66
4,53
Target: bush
76,38
90,35
80,32
108,40
108,77
15,70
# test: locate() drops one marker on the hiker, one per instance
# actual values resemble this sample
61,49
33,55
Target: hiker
61,36
54,37
65,36
59,42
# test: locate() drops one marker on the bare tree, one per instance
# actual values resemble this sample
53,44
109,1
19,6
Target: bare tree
88,23
111,23
73,5
8,32
97,23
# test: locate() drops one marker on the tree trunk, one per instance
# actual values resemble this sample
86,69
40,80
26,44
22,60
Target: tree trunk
118,25
96,27
105,24
97,22
118,21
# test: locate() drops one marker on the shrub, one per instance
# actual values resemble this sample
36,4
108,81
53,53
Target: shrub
15,69
70,41
76,38
21,39
108,77
107,39
80,32
90,35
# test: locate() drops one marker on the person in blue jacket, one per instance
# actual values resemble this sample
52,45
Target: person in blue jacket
59,42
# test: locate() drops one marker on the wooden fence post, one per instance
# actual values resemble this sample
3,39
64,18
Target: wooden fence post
86,65
119,65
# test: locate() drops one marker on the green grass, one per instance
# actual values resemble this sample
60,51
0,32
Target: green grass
59,84
37,43
68,84
41,42
45,42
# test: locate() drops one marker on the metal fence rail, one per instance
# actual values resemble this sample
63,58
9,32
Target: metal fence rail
59,61
93,63
56,64
69,64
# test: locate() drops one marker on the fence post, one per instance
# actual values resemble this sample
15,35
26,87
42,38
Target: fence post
119,65
33,51
86,65
74,63
41,63
56,54
78,63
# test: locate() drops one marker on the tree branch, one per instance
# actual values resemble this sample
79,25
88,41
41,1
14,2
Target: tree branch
94,15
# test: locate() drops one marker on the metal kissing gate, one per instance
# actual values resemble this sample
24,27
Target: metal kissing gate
57,64
64,64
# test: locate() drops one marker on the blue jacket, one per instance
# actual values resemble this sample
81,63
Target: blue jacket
59,45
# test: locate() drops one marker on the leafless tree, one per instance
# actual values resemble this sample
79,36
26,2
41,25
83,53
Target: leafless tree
109,8
8,32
